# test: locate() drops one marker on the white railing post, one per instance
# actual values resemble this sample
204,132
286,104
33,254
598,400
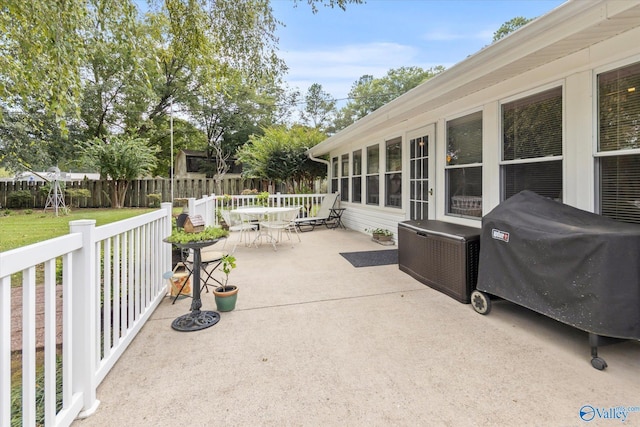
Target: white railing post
5,350
84,352
278,199
191,202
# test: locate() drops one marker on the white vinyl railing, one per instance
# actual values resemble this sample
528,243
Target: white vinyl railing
111,280
208,205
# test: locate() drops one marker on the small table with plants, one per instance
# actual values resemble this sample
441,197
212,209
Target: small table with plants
196,319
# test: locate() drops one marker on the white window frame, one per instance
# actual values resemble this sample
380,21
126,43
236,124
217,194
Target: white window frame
521,95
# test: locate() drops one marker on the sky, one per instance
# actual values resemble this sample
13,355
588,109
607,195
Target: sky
335,48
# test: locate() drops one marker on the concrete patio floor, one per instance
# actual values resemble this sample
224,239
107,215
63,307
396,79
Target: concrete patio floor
315,341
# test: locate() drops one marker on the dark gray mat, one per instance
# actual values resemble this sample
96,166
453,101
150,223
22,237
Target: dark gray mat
371,258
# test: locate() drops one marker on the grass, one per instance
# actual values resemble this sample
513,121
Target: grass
22,228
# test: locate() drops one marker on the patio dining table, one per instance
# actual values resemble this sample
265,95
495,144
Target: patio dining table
258,214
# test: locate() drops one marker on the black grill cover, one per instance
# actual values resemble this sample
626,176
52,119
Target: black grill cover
574,266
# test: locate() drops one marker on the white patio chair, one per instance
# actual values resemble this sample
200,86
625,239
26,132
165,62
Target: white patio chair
322,217
237,223
276,223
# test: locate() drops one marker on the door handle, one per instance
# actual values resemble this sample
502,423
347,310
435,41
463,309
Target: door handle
431,191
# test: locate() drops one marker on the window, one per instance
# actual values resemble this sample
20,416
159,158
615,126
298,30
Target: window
619,129
463,172
532,145
393,174
356,178
334,175
344,178
419,177
373,180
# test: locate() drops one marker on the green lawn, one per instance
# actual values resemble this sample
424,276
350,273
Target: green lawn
21,228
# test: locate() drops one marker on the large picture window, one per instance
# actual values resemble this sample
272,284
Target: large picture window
344,178
393,174
373,177
356,178
619,129
464,166
532,145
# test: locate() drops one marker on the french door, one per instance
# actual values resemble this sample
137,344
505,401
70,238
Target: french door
422,173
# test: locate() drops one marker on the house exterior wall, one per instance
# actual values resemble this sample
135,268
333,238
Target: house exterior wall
575,73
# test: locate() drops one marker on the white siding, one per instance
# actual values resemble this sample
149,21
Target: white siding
576,73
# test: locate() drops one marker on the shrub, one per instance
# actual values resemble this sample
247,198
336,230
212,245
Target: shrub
77,193
154,200
20,199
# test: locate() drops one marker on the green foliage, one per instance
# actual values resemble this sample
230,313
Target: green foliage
263,198
228,264
121,158
16,395
510,26
280,155
77,194
20,199
154,200
209,233
380,231
320,108
368,94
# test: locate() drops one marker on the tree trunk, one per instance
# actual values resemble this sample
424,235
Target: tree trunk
118,192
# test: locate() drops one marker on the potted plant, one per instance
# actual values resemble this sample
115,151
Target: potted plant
226,295
180,237
381,234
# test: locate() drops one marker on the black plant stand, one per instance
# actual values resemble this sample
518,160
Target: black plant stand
196,320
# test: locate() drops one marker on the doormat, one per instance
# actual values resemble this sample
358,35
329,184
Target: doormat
371,258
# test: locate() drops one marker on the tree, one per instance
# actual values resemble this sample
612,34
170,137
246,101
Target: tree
368,94
279,155
510,26
120,159
320,108
97,66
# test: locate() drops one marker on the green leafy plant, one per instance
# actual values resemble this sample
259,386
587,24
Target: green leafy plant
75,194
228,264
180,236
154,200
20,199
379,231
263,198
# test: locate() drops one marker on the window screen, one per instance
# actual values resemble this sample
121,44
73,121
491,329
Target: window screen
532,145
619,129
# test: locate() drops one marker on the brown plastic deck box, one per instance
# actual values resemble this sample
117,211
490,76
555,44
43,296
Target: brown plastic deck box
441,255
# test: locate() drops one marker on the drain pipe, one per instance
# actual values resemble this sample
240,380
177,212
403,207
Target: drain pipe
315,159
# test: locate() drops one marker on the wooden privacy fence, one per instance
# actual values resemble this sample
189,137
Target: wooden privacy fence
137,194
